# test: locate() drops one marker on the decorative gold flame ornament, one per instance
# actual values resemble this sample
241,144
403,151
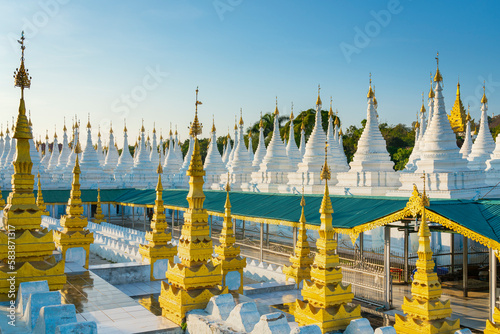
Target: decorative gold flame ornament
300,269
425,313
33,260
98,215
159,246
325,297
457,116
227,254
196,279
493,328
74,234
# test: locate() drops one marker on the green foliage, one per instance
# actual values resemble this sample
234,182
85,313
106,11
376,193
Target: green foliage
400,158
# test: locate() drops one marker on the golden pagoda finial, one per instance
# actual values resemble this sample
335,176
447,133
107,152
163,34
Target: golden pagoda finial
88,122
422,109
154,127
21,75
46,134
241,117
110,126
249,135
467,119
213,123
330,113
484,99
1,130
291,113
318,100
325,171
39,198
458,88
261,123
438,77
196,126
302,126
29,118
55,131
340,132
336,122
124,125
370,94
431,91
276,112
64,123
142,126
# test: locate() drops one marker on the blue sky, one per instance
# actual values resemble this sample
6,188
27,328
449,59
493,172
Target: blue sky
144,59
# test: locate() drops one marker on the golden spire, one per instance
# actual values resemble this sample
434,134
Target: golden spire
110,127
250,135
422,109
468,113
196,127
276,112
325,170
98,215
235,122
21,75
438,77
29,119
46,135
1,130
55,131
431,91
64,127
318,100
330,113
458,88
457,114
326,208
125,125
370,94
340,132
337,122
484,99
39,198
154,127
88,122
7,129
142,127
261,123
303,126
291,113
241,117
213,125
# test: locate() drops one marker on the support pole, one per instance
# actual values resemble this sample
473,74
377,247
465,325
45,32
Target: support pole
109,213
387,267
406,237
243,229
133,216
261,257
210,226
361,246
145,209
452,251
465,266
267,235
336,238
493,282
294,233
173,218
123,217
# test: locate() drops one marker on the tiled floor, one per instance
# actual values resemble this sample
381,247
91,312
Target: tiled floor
112,310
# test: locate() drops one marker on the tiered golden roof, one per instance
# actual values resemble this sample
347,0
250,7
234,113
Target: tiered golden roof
325,297
39,198
227,254
301,261
159,246
74,234
196,279
34,245
98,215
457,115
425,312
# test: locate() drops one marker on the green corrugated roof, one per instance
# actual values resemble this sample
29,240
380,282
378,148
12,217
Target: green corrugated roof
481,216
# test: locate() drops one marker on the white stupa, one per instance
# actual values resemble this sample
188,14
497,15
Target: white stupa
493,168
274,168
92,176
100,151
177,149
34,155
227,151
112,156
44,162
371,170
302,147
125,162
467,144
261,150
250,146
144,172
72,155
308,171
420,126
172,164
2,143
62,162
231,153
213,166
181,179
154,155
484,145
291,148
240,169
54,156
446,171
337,161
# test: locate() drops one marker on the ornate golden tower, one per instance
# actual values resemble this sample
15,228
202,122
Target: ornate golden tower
457,115
425,313
39,198
227,254
300,269
196,279
98,216
493,328
74,222
325,297
159,246
33,260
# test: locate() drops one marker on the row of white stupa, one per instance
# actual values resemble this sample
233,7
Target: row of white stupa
450,172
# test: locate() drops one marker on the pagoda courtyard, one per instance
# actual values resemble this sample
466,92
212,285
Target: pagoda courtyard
284,238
